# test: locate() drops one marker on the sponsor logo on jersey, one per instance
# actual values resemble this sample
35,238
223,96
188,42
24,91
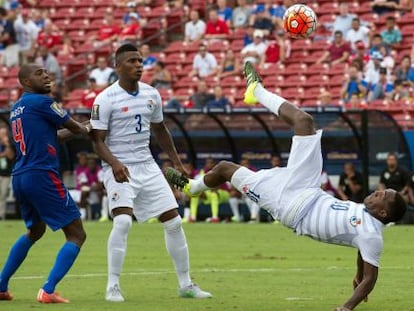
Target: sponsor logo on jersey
59,111
115,197
95,112
250,194
354,221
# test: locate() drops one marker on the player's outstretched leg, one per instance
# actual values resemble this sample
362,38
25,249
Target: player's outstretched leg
220,173
301,122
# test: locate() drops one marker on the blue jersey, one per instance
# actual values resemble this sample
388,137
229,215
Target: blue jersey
34,120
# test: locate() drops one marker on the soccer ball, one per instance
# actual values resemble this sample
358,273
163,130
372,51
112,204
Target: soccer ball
299,21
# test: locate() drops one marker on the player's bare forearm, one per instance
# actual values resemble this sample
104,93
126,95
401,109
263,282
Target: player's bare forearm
98,142
68,133
166,143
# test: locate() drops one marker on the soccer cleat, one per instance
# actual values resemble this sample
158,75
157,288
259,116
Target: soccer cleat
213,220
6,296
44,297
193,291
177,179
114,294
252,78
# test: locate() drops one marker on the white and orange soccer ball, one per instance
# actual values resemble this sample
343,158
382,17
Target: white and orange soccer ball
299,21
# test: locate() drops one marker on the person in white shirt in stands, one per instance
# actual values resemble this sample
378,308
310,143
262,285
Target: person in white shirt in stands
26,35
358,33
204,63
255,51
292,194
122,119
101,73
195,28
343,21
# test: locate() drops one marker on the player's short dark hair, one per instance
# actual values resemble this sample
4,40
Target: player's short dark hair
128,47
397,209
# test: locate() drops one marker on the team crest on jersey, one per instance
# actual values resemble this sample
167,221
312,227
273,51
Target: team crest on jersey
387,175
56,108
95,112
150,104
354,221
115,197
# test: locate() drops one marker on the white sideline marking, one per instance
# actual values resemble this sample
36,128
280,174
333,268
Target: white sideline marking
248,270
297,298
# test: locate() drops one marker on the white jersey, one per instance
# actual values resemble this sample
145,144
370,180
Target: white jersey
127,118
345,223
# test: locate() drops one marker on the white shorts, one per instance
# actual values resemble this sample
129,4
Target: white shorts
147,192
276,189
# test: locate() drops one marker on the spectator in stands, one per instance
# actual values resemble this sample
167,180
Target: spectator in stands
219,100
49,36
275,160
201,97
216,28
343,21
148,60
394,176
224,12
357,33
110,29
131,30
372,72
204,63
273,11
326,184
338,52
350,186
47,60
39,17
405,71
377,44
325,99
195,28
8,40
230,65
26,36
391,35
400,91
101,73
248,36
382,89
161,78
131,7
275,51
360,57
7,155
241,14
382,7
93,187
66,49
89,95
354,84
255,52
262,20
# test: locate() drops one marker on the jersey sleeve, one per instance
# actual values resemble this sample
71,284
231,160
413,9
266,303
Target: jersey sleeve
51,110
101,113
370,247
157,116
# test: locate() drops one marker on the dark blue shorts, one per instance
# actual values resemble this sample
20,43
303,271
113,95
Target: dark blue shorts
43,197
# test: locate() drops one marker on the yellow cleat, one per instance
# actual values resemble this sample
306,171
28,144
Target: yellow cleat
252,78
178,180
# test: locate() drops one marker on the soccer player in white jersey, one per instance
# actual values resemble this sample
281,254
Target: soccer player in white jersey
293,196
122,117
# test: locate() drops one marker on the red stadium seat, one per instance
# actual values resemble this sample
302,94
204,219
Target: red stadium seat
317,69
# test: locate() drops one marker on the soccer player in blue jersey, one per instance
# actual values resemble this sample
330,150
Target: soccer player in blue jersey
35,119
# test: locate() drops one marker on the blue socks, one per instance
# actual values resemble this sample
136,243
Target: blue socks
64,261
17,254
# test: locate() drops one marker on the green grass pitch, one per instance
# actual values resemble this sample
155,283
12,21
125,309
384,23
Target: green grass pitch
254,267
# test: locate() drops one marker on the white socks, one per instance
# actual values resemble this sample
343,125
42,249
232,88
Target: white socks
117,245
234,206
198,185
268,99
177,248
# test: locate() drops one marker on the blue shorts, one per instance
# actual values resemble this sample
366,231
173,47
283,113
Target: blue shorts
43,197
